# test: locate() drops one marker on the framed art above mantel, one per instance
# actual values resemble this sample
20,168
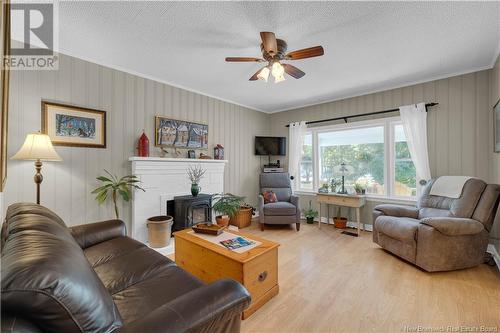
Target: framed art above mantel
180,133
74,126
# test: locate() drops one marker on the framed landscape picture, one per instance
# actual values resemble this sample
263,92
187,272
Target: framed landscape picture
496,128
180,133
74,126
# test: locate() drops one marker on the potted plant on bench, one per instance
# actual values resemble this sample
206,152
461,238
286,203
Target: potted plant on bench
310,214
227,205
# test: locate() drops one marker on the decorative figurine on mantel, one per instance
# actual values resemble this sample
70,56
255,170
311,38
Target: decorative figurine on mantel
218,152
143,145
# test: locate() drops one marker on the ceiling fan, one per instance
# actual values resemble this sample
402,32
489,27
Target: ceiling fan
274,51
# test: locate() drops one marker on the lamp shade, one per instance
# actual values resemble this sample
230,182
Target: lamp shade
37,146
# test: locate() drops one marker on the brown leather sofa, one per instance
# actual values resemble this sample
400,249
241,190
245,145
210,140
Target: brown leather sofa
93,278
440,233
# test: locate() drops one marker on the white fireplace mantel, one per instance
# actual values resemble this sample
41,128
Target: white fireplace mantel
163,179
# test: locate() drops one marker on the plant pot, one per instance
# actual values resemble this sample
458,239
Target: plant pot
310,220
340,222
195,189
159,230
222,220
243,218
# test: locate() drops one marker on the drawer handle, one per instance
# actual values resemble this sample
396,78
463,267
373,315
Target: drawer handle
262,276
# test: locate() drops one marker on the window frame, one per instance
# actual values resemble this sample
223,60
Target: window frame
388,125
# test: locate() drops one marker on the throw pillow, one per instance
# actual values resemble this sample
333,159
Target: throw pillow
269,196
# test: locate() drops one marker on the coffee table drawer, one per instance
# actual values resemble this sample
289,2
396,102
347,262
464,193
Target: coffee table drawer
261,274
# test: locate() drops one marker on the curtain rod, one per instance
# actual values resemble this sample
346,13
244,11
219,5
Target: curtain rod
427,105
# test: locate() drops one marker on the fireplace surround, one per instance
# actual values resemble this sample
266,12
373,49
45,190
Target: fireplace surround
164,179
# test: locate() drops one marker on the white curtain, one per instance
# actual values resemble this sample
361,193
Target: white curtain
296,137
414,119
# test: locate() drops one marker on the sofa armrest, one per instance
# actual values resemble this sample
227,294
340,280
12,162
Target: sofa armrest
397,210
453,226
90,234
261,208
207,309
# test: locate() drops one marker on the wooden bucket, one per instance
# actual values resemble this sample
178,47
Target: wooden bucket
159,230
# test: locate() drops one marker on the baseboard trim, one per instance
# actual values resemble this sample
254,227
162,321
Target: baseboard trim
351,224
493,251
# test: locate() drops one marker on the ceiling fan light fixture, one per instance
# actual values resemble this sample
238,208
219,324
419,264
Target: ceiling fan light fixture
277,70
264,74
278,79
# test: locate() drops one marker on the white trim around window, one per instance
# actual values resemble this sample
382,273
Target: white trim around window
389,154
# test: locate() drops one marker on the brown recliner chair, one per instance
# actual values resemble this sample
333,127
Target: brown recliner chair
441,233
286,210
93,278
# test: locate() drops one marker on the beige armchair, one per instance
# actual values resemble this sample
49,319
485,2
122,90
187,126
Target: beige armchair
440,233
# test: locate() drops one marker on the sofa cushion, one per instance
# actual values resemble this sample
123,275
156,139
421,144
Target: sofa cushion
400,228
280,208
50,281
103,252
123,271
141,298
461,207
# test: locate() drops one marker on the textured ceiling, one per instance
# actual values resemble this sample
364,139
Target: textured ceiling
369,46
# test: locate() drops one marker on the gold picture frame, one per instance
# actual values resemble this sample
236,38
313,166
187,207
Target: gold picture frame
4,87
74,126
180,134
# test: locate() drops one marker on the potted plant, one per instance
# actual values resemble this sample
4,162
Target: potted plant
115,185
243,217
227,205
195,175
310,214
323,188
333,184
339,221
358,188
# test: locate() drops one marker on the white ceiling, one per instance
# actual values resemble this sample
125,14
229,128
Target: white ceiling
369,46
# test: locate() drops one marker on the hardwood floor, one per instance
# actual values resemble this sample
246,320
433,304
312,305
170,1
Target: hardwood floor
331,282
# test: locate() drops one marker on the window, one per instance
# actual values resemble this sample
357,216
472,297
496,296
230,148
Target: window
375,152
405,180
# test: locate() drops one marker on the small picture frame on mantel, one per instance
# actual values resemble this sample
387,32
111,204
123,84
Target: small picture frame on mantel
496,126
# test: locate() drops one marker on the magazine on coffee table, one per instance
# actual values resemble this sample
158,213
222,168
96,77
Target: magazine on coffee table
236,243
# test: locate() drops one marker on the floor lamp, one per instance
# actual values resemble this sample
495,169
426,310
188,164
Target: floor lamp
37,147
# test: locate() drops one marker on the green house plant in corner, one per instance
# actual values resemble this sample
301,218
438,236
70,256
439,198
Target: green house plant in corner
227,205
115,186
310,214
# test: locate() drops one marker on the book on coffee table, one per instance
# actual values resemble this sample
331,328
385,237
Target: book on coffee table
236,243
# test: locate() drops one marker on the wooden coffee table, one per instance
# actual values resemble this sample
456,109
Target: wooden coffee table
256,268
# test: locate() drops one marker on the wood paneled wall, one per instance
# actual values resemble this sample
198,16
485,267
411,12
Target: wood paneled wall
131,102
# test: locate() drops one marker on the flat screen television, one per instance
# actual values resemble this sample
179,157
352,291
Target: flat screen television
270,145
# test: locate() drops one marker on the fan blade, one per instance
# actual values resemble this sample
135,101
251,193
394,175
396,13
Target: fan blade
243,59
269,42
310,52
293,71
254,77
